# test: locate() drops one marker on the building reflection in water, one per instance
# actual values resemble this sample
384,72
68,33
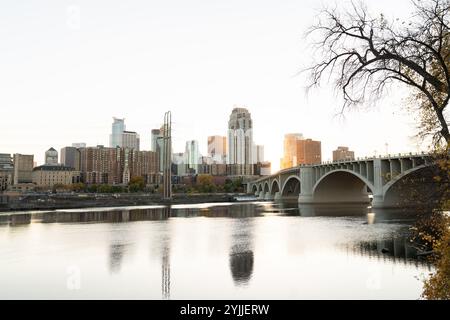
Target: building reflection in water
81,216
165,259
15,220
241,255
396,249
116,253
165,267
120,244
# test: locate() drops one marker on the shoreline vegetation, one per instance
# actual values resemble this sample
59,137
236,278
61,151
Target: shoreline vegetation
201,189
101,200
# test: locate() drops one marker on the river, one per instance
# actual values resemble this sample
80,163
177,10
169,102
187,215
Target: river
251,250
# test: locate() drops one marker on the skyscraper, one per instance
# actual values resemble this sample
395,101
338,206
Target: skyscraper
240,142
118,127
156,135
192,155
70,157
51,157
130,140
309,151
157,145
298,150
122,138
290,157
217,149
259,153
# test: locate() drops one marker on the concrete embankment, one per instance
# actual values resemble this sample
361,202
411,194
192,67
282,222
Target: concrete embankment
75,201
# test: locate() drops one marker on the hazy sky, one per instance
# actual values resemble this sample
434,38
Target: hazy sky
68,67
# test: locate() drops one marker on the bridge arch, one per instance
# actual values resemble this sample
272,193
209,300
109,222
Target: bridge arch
266,188
412,187
260,187
342,186
291,187
275,187
254,188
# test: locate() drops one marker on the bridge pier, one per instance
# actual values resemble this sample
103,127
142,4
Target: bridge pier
377,201
277,196
305,199
261,195
268,196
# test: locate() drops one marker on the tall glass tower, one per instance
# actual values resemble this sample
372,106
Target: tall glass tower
118,127
192,154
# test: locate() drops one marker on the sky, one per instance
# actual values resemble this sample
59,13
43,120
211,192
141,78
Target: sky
68,67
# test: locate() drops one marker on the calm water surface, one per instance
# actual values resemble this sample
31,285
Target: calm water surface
258,250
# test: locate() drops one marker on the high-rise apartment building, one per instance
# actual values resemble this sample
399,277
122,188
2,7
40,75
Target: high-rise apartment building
100,165
144,164
217,149
23,167
70,157
342,154
51,157
298,150
240,142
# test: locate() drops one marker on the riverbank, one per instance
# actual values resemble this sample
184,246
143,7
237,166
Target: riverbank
78,201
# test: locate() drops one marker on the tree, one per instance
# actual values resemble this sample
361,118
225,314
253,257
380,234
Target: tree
78,187
136,184
438,285
205,183
364,55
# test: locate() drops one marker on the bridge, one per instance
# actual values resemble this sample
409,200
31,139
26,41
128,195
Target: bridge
343,182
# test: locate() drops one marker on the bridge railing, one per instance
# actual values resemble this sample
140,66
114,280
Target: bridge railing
367,158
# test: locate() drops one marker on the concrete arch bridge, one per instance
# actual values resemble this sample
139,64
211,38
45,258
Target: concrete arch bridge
376,180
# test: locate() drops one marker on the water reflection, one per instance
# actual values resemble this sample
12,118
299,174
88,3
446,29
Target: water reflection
165,259
116,257
81,216
165,266
397,249
253,237
241,251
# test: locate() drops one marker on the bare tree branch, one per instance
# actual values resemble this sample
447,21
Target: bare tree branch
364,55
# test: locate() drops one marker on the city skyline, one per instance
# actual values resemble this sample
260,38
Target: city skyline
141,81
